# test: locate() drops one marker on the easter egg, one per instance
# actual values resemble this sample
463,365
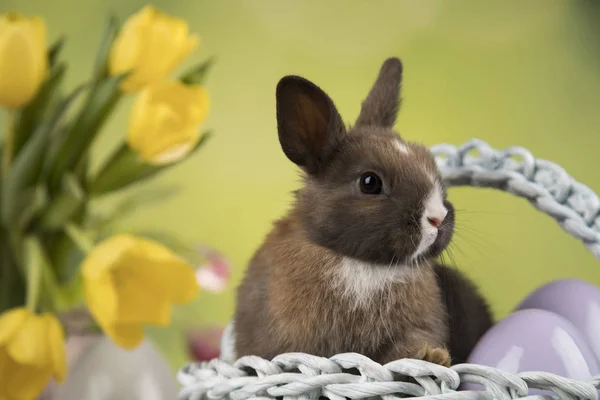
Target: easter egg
573,299
536,340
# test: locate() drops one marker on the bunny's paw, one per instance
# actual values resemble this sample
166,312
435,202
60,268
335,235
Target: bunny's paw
436,355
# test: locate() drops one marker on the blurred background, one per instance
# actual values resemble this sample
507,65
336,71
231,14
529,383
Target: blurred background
508,72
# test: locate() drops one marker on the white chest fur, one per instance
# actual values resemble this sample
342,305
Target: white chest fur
360,282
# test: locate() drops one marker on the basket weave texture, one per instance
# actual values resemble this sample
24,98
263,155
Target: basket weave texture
305,377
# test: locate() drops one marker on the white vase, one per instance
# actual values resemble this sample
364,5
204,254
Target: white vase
104,371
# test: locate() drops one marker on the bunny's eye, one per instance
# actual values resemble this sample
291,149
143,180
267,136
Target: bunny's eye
370,183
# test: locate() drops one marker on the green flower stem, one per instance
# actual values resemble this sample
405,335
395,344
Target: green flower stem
65,205
41,282
79,237
6,278
124,167
9,137
34,274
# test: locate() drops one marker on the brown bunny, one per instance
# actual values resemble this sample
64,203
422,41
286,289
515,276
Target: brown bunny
351,267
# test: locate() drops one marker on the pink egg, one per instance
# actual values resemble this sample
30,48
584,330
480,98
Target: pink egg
536,340
575,300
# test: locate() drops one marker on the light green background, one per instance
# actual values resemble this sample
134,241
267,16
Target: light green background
509,72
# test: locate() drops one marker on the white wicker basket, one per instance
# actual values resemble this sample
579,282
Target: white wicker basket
301,376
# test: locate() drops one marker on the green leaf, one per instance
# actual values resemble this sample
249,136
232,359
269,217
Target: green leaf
28,164
21,207
33,114
65,205
197,74
64,254
34,272
39,263
81,170
125,168
54,50
78,138
81,237
110,33
35,200
14,241
103,97
10,290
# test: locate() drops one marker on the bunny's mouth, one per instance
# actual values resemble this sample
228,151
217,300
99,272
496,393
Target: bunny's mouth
436,239
433,223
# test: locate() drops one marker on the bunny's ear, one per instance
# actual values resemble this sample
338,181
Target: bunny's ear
380,108
309,126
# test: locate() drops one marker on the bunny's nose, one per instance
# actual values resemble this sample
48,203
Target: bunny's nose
437,216
436,222
434,211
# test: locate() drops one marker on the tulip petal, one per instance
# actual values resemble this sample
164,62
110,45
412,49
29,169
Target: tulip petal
141,296
4,24
171,34
175,136
21,381
39,33
181,282
151,44
101,299
30,346
190,101
56,343
135,287
163,126
100,294
11,322
30,355
163,34
141,119
125,52
126,336
5,367
198,104
191,43
174,153
177,276
19,76
107,254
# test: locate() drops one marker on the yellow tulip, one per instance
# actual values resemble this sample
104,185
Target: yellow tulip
32,350
23,58
150,45
165,119
130,282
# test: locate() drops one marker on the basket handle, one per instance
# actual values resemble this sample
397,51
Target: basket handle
515,170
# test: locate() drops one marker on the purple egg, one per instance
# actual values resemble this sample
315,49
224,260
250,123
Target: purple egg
573,299
536,340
